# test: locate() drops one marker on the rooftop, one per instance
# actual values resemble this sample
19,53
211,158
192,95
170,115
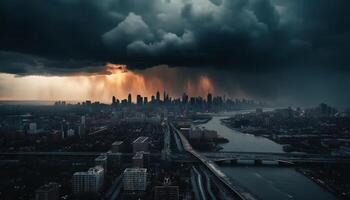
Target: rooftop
117,143
138,155
135,170
141,139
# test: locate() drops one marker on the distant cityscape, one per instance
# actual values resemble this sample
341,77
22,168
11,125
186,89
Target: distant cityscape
163,148
210,102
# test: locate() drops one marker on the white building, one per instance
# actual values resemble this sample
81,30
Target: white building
90,181
135,179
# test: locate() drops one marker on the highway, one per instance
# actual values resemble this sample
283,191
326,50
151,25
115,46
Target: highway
236,192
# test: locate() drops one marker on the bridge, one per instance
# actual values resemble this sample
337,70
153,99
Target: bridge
283,158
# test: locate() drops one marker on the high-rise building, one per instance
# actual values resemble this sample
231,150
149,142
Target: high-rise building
184,98
158,96
210,99
48,192
140,144
129,99
152,99
113,100
90,181
145,100
135,179
139,100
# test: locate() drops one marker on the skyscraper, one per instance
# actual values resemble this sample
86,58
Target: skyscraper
129,98
210,99
139,100
113,100
158,96
184,98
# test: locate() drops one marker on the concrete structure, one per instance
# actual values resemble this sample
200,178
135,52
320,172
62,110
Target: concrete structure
117,146
48,192
90,181
137,160
140,144
135,179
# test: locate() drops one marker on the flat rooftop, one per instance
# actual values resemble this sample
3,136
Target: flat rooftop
141,139
117,143
135,170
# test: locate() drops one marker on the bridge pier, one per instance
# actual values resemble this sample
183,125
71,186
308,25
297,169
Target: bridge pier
258,162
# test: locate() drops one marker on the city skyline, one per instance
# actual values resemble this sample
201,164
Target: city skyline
281,51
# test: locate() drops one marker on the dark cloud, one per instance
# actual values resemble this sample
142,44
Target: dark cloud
246,35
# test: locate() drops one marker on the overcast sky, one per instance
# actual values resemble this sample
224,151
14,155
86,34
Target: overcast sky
291,51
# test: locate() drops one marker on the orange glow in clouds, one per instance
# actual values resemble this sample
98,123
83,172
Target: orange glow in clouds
118,81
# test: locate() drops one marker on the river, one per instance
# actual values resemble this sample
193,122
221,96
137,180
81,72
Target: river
267,182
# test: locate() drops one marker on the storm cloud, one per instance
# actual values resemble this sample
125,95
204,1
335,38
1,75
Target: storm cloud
63,36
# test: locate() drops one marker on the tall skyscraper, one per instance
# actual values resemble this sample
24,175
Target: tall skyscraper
113,100
139,100
184,98
210,99
129,99
158,96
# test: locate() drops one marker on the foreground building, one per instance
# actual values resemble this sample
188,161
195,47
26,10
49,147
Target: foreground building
90,181
135,179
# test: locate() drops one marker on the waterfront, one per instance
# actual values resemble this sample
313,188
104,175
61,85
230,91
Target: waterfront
267,182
